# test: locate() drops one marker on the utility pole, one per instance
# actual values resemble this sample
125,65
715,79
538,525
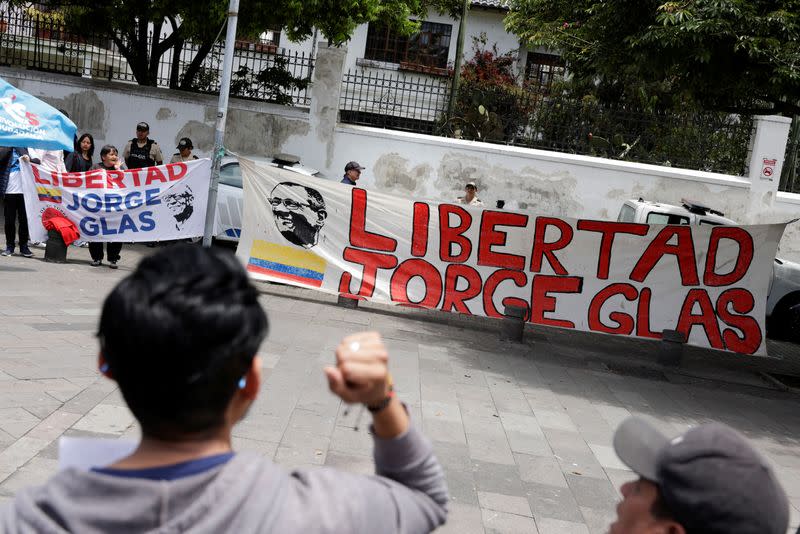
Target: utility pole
219,130
462,32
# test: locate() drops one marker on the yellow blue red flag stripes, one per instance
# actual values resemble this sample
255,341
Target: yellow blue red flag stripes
287,263
49,194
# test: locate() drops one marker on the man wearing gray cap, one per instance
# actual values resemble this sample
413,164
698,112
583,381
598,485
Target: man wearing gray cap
352,172
708,480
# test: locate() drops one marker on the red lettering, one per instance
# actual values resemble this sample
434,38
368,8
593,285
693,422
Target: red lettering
419,232
454,297
114,178
136,178
624,321
659,247
542,302
37,177
643,315
371,262
706,319
450,235
94,180
743,258
490,237
176,171
413,268
155,174
542,249
742,302
609,230
519,278
71,179
359,236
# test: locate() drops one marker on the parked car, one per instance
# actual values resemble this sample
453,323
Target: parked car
783,299
230,195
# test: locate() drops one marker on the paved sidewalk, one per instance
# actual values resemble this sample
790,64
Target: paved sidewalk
523,430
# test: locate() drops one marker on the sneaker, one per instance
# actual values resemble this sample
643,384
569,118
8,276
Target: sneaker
112,264
7,252
25,251
97,263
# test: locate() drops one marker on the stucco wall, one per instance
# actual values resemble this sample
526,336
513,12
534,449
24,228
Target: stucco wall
111,110
406,164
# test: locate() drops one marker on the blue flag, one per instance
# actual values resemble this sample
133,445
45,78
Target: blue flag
26,121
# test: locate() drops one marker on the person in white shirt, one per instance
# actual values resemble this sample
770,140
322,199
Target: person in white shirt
470,197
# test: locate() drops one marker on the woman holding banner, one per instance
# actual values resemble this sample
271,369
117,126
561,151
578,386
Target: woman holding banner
109,161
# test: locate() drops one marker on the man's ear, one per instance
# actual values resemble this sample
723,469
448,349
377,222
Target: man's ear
102,366
253,379
322,215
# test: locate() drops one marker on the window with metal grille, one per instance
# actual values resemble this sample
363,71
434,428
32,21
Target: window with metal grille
429,47
542,69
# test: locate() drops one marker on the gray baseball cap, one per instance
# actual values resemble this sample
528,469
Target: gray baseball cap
710,478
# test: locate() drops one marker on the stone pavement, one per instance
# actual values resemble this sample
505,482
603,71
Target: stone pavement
523,430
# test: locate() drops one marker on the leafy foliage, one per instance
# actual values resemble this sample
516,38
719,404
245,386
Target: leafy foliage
272,84
136,26
733,55
490,106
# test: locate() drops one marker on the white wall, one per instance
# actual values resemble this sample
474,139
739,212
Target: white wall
547,183
413,165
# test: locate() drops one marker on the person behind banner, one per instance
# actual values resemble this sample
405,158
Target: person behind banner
109,161
470,197
184,152
141,151
352,172
81,159
14,199
299,213
180,337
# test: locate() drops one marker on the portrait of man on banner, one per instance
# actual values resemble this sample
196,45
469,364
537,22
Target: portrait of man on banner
299,213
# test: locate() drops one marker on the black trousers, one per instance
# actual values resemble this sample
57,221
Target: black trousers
13,208
112,249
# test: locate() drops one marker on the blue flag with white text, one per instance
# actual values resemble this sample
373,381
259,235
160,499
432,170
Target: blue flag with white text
26,121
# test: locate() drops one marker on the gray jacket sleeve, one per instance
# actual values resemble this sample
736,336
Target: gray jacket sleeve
408,494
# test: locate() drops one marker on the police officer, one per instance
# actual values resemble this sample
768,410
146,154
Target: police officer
184,153
141,151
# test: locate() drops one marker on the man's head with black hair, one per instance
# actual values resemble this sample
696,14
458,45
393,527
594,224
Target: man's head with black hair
299,213
178,335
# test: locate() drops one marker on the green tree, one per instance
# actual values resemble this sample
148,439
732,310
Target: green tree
729,55
136,26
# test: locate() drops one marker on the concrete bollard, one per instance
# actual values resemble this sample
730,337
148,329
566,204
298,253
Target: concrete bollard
56,250
670,351
347,302
513,327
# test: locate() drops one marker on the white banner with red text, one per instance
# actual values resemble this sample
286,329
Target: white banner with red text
708,282
150,204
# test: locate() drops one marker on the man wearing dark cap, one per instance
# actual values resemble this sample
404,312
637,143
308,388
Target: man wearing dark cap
352,171
184,152
141,151
708,480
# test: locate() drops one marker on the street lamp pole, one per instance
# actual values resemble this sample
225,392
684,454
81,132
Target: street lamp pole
462,32
222,111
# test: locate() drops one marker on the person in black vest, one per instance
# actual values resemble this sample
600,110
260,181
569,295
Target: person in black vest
141,151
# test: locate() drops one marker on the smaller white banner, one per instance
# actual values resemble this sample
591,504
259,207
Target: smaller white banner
150,204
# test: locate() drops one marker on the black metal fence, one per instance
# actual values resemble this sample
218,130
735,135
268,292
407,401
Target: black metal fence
393,100
44,41
707,141
790,175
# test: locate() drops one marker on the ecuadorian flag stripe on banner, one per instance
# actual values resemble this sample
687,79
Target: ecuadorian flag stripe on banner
49,194
288,263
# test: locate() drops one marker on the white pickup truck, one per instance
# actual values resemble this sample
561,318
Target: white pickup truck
783,300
